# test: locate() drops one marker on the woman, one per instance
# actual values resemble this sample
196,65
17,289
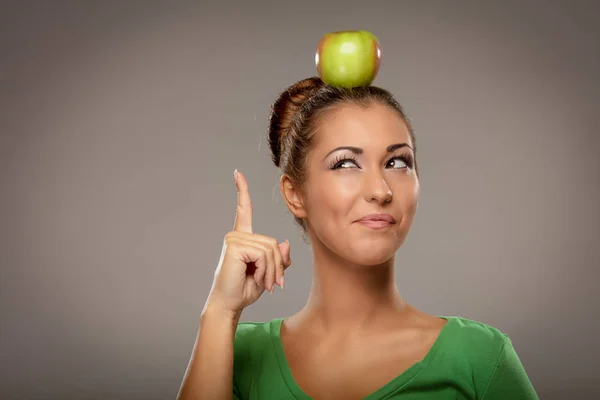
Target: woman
351,181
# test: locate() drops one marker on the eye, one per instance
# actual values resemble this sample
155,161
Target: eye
344,163
399,162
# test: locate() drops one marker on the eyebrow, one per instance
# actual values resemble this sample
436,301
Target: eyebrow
358,150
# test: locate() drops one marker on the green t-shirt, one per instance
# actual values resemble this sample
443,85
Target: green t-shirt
469,360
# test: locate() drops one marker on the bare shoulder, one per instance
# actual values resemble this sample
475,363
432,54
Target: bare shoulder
425,322
466,334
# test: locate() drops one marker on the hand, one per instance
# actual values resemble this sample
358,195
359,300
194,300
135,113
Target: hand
250,263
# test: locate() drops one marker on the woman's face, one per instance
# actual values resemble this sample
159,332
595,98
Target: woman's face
362,165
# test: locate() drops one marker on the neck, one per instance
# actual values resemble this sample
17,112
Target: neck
347,297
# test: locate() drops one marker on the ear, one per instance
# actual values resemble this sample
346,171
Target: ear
292,197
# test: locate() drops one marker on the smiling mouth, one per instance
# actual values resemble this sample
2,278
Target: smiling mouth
375,224
377,221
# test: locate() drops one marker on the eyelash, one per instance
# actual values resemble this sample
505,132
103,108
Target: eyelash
407,159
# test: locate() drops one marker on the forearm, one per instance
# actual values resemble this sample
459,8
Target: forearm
210,371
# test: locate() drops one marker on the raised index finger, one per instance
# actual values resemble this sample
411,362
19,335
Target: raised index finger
243,214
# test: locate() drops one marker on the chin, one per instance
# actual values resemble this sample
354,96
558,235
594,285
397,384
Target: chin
372,261
372,252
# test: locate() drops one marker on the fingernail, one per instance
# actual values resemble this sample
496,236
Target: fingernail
281,281
235,172
273,287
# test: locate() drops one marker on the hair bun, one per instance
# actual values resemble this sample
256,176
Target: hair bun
285,108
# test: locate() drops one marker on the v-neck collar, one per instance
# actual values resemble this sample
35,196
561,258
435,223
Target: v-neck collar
383,391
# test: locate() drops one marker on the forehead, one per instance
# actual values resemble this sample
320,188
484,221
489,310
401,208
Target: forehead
351,125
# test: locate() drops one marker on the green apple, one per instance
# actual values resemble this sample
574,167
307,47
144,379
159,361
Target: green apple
348,58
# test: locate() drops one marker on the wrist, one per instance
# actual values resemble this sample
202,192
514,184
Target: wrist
213,310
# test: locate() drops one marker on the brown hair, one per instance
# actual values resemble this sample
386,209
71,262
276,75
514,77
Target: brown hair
298,109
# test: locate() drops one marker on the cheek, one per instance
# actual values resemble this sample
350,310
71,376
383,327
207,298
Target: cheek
409,199
332,199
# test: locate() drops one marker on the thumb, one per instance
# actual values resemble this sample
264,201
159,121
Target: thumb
284,248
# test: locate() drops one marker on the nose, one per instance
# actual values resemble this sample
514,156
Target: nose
377,189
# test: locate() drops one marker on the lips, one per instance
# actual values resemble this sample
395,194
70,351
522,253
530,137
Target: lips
377,220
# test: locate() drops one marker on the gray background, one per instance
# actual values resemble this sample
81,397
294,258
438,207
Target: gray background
121,124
